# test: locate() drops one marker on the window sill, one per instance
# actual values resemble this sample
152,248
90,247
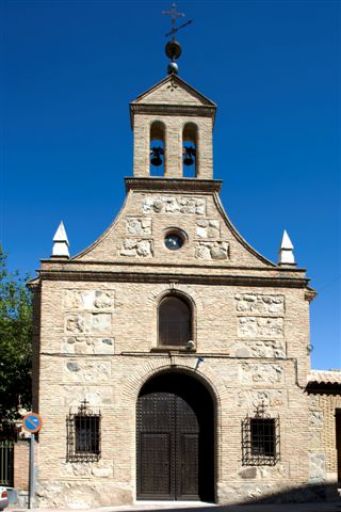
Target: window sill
83,457
173,348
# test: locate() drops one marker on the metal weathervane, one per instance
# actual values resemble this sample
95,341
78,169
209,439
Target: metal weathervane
173,48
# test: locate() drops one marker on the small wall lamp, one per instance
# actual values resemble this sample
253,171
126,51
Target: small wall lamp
199,361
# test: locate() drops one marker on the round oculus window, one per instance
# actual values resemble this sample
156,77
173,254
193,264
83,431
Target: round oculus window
174,241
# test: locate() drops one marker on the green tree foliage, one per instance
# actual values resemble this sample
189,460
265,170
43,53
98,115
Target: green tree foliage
15,342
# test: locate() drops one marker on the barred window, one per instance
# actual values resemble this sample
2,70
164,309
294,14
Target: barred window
83,434
260,441
263,437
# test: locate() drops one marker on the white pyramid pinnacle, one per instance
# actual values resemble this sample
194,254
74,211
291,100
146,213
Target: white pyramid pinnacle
286,253
60,242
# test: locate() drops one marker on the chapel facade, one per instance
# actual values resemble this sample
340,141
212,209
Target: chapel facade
171,358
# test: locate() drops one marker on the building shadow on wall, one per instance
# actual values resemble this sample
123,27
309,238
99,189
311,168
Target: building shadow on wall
307,498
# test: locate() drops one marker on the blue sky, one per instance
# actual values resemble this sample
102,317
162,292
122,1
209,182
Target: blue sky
273,67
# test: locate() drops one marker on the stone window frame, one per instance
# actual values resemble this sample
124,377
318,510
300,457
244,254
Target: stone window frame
174,230
190,302
260,439
83,428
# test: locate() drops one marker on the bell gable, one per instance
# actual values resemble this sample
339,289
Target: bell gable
173,90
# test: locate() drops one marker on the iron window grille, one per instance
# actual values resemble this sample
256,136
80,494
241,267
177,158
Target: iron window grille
260,439
83,434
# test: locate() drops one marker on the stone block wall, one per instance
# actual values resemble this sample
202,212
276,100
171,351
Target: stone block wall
137,235
112,479
323,435
96,342
96,335
85,318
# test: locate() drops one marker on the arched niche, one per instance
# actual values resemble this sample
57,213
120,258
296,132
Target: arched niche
175,321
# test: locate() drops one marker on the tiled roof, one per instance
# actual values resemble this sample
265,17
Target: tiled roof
325,376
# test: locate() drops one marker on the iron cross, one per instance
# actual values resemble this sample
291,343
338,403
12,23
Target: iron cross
174,15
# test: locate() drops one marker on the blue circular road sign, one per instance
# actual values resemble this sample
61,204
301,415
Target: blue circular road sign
32,422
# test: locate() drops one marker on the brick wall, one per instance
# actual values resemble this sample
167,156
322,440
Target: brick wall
326,404
98,330
21,465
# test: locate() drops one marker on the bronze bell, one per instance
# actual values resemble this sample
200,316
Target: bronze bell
155,156
155,160
189,156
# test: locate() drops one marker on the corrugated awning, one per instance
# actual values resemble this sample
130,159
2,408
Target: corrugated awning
325,376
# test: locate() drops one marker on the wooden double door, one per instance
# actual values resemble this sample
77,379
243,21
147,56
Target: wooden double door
174,440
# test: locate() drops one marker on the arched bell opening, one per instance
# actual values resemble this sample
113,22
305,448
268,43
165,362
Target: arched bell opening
157,148
190,150
175,438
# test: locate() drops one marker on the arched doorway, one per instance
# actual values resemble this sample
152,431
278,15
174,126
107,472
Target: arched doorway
175,439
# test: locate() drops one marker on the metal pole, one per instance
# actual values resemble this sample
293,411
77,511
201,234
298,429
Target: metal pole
31,472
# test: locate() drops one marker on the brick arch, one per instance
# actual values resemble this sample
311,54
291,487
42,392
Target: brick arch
202,378
179,293
133,383
190,129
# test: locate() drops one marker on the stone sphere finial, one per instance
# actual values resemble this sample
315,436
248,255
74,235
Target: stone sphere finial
173,68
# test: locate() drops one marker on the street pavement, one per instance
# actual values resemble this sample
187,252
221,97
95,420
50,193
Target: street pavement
202,507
